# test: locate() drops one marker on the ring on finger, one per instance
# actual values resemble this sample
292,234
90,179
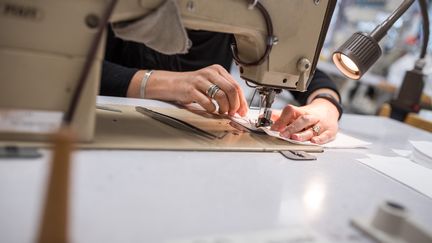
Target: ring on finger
316,129
212,90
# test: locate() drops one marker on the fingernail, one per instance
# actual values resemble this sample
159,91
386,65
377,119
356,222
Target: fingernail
315,140
296,137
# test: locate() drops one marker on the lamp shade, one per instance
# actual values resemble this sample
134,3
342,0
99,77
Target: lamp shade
357,55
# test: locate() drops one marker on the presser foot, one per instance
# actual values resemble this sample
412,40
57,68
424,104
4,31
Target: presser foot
267,96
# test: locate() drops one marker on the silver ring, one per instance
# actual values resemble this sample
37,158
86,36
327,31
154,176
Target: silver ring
316,129
212,90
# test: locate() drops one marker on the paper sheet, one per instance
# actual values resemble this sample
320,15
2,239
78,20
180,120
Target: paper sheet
402,152
420,153
341,141
424,147
403,170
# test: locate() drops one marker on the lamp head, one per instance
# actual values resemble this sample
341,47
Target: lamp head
357,55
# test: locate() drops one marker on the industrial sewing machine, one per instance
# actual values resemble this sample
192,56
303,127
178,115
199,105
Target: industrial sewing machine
46,46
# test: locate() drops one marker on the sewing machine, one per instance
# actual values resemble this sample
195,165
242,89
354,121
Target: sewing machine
45,44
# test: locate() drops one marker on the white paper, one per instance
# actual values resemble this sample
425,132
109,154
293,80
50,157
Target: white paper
421,159
403,170
344,141
341,141
422,153
296,235
424,147
402,152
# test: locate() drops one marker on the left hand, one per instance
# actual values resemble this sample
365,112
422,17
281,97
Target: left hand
297,122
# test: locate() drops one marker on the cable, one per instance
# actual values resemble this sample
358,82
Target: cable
424,11
271,40
250,85
88,64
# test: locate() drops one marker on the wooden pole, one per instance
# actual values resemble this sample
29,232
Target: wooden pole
54,223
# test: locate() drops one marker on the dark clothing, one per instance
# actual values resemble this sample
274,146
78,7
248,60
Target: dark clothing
124,58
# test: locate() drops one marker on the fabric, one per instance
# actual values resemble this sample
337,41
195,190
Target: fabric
124,58
162,30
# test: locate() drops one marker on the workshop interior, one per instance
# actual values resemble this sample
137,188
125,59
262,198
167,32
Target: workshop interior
76,166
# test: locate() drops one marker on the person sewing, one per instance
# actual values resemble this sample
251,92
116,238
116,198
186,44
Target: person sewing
188,78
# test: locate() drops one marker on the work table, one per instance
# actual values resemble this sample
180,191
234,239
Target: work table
156,196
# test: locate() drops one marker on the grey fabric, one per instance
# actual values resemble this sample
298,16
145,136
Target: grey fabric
161,30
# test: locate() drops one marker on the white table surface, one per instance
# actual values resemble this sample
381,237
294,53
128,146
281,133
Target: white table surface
155,196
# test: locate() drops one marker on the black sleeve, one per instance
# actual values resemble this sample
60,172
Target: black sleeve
115,79
319,81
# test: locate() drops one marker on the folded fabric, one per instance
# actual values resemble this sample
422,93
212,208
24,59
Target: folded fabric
161,30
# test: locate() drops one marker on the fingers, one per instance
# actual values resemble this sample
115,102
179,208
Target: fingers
204,101
307,123
324,137
220,97
288,115
230,90
276,114
301,123
305,135
243,108
224,104
308,134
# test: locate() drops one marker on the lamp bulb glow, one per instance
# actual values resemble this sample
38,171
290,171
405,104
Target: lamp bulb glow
348,63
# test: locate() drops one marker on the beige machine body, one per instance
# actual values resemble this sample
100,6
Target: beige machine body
43,45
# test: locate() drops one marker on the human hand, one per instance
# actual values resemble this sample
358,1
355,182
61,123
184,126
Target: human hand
189,87
297,122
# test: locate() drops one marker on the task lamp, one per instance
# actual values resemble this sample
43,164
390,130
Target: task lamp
362,50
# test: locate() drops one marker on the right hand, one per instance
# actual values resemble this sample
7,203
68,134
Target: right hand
189,87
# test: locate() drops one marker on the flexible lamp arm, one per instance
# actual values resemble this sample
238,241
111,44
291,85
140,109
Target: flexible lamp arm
424,11
381,30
